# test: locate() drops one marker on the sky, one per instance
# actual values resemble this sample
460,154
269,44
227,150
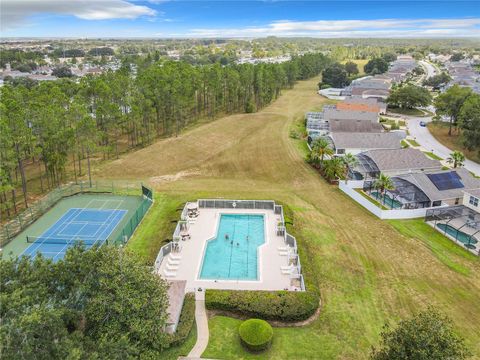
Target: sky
238,19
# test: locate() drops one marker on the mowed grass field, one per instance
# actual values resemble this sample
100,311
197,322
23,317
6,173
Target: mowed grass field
369,271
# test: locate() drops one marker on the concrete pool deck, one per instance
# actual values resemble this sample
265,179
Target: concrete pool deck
203,228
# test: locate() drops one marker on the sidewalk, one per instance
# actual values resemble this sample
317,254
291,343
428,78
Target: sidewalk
202,326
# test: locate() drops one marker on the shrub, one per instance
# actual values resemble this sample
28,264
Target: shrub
268,305
185,322
256,334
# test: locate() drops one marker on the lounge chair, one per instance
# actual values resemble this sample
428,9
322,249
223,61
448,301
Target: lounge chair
172,267
174,257
173,262
169,273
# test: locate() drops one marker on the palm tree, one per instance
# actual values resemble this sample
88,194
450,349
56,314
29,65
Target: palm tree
321,148
383,183
350,161
457,158
334,169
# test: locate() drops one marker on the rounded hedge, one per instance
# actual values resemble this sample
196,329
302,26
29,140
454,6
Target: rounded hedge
256,334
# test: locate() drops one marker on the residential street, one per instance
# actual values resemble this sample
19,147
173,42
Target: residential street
427,141
431,71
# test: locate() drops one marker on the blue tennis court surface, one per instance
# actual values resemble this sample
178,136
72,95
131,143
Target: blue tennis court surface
91,226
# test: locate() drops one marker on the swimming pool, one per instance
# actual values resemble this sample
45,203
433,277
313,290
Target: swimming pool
232,254
394,204
459,235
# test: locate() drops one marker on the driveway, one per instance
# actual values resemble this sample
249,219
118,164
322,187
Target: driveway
429,143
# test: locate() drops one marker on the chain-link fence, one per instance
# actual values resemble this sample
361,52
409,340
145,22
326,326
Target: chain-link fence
9,230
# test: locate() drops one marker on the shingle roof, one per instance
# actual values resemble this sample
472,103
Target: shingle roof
402,159
474,192
334,114
358,107
358,126
422,181
346,140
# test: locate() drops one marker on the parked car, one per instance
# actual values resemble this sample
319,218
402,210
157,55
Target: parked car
423,123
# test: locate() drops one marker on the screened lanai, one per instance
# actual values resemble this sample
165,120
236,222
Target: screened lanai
460,223
365,168
405,195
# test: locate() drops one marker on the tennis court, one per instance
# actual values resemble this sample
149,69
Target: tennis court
93,219
90,226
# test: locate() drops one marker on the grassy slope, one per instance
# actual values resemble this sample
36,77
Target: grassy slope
454,142
368,271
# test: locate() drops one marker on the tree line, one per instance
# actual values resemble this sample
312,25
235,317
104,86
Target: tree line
51,124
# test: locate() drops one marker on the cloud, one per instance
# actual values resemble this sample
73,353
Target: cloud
462,27
15,12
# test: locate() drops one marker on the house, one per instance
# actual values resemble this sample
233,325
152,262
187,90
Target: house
355,143
471,199
357,126
445,187
362,107
370,101
340,114
176,296
393,162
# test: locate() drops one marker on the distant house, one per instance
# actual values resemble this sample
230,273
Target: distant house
355,143
393,162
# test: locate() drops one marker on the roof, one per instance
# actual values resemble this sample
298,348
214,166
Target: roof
347,140
176,295
358,107
402,159
422,181
358,126
336,114
474,192
362,90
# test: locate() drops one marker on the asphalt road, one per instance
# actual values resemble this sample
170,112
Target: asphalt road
429,143
431,71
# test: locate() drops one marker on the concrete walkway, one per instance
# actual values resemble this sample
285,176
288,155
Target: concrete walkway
202,326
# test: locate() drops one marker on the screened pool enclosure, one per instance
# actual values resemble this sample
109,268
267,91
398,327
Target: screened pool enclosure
405,195
460,223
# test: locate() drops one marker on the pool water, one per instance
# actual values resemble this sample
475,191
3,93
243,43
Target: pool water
232,254
459,235
393,204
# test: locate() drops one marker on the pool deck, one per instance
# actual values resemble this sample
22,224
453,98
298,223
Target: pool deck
203,228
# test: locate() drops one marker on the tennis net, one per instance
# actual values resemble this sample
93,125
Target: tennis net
66,241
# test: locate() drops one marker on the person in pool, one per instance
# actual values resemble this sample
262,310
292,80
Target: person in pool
226,237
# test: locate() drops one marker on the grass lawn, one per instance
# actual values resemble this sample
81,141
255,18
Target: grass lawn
413,142
182,350
368,271
410,112
439,130
432,155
